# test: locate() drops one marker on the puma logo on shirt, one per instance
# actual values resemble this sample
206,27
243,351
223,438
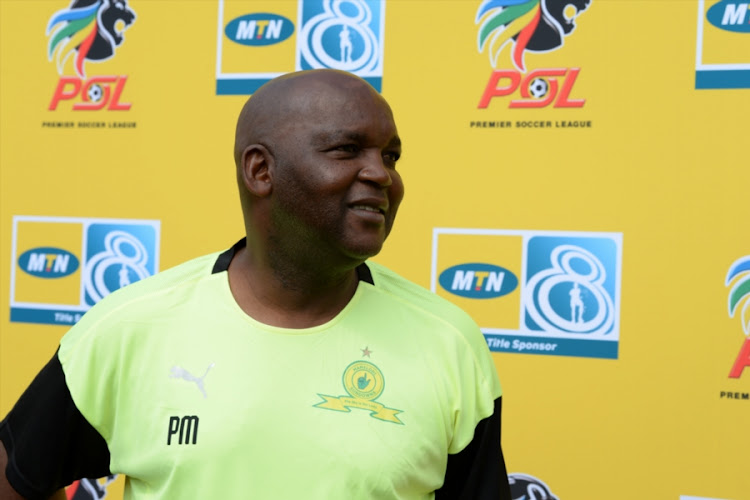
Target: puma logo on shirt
179,372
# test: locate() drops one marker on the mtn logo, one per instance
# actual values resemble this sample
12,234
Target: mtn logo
730,16
48,262
478,281
259,29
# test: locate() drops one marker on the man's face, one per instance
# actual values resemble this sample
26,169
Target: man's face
336,189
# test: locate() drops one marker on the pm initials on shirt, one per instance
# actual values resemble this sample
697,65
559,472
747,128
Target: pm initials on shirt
183,426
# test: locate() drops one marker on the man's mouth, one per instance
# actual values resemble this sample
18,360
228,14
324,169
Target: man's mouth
369,209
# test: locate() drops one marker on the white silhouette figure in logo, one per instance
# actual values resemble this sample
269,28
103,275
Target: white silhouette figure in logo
576,304
346,45
124,278
179,372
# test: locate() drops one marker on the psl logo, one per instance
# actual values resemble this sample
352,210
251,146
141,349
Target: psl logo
738,277
88,30
528,26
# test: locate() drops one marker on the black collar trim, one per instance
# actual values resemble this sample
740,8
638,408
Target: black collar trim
222,263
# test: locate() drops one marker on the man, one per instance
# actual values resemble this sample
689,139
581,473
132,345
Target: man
260,372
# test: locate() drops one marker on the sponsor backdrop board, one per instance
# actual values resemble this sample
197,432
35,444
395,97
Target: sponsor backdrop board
574,175
563,298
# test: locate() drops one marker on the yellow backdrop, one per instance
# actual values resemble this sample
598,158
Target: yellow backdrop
613,130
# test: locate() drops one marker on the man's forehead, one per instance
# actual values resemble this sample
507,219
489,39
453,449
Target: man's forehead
325,77
317,102
354,134
342,112
323,95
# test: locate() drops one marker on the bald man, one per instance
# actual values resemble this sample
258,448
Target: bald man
260,372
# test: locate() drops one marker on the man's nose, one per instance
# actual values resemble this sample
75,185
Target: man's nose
375,170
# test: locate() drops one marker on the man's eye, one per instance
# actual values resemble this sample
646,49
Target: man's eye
348,148
392,156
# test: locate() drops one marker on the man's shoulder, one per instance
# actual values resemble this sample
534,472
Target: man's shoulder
421,299
162,282
145,297
437,318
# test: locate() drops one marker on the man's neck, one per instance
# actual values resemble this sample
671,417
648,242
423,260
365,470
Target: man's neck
287,296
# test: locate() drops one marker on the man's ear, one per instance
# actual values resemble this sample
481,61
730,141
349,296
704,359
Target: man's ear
256,166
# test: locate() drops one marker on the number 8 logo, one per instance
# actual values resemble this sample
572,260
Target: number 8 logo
538,291
114,255
313,32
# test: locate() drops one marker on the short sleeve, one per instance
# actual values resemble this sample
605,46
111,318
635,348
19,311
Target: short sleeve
48,441
478,387
476,467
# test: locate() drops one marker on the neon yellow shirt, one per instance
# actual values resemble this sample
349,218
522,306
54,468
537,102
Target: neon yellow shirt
195,399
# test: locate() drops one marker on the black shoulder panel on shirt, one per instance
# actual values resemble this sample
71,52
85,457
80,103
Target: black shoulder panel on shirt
478,471
49,443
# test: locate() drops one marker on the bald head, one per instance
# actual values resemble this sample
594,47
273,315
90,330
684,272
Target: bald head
274,106
316,155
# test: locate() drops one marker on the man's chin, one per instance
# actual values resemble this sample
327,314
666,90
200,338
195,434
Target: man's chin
361,251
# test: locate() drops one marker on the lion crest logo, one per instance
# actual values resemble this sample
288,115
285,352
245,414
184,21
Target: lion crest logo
534,25
90,29
739,294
